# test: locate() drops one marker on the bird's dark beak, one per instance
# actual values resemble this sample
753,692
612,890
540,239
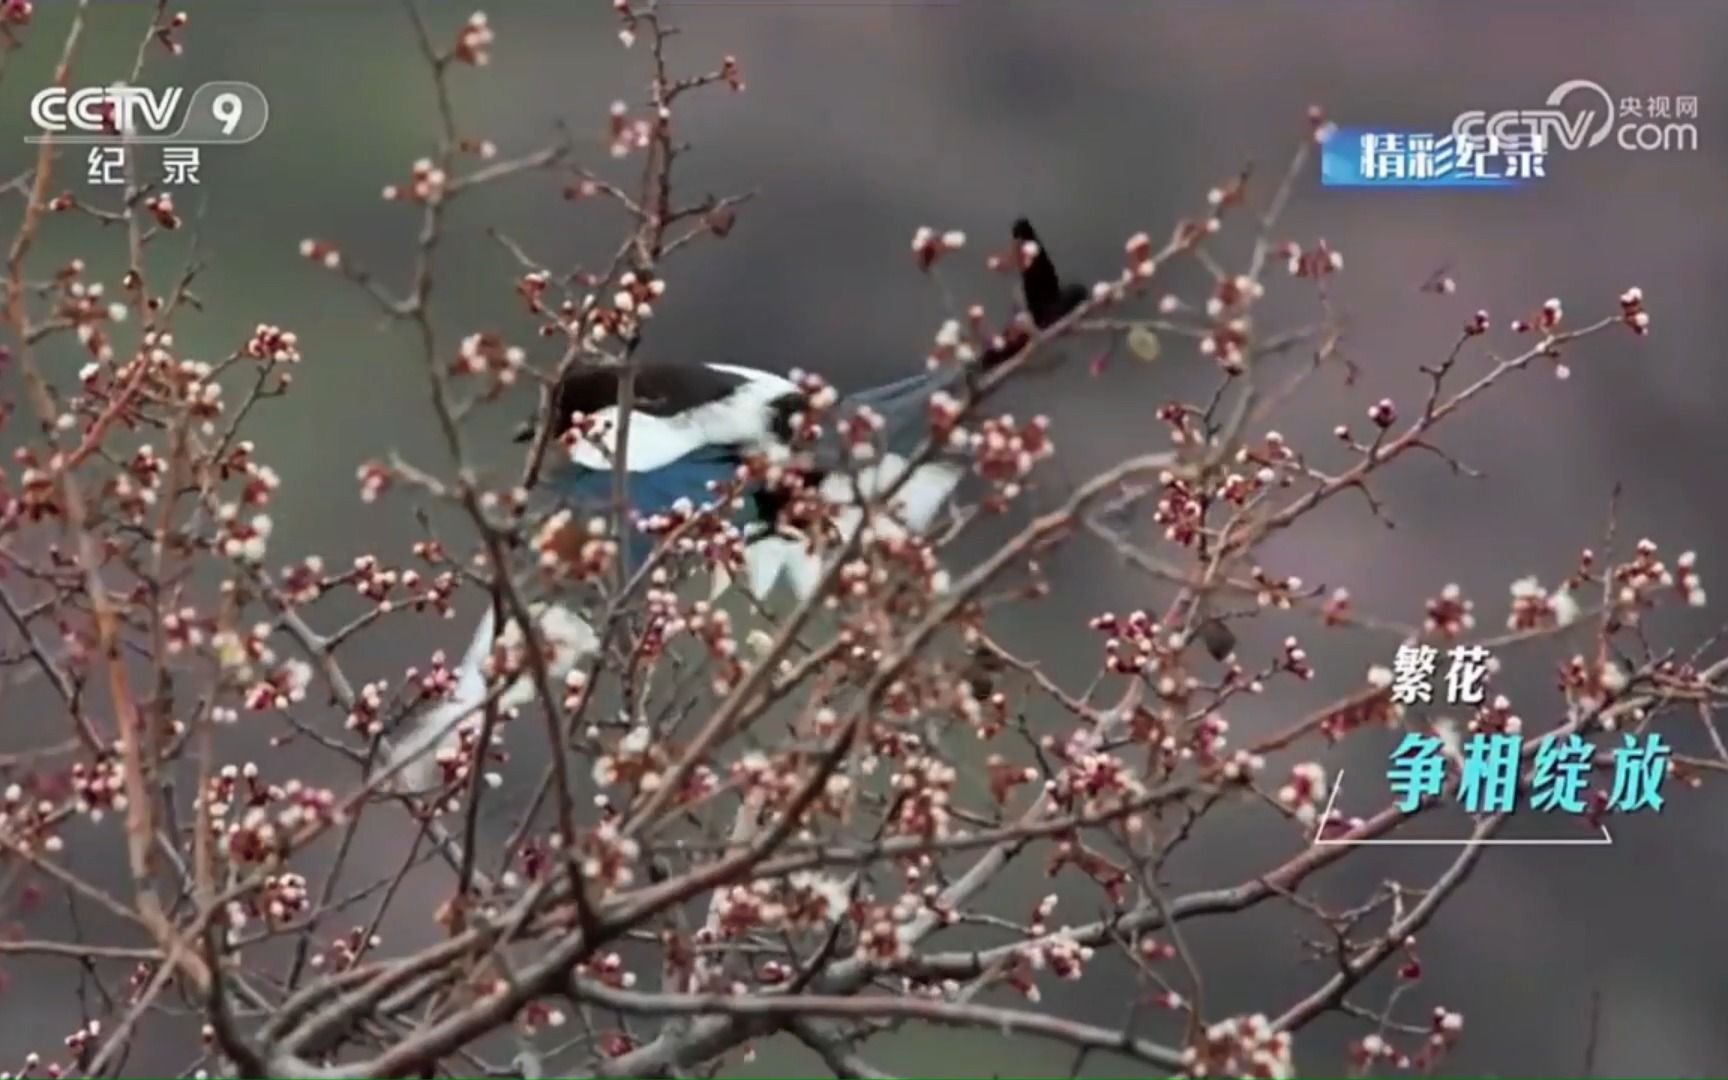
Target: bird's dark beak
524,432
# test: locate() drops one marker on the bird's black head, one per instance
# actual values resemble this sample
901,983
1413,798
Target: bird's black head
588,388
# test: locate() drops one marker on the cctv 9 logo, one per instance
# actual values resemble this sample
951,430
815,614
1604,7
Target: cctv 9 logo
218,112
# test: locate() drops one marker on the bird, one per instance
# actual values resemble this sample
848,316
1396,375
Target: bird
691,427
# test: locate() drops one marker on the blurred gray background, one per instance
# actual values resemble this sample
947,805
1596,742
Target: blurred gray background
863,121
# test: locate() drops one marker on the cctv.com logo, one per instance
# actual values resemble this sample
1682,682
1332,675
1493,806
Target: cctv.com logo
1581,115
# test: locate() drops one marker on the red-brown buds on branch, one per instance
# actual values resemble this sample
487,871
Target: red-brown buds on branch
1226,343
322,252
1450,614
426,184
474,41
1139,251
1316,262
484,149
161,207
1230,194
1320,129
627,133
1304,794
489,355
951,346
1533,607
1245,1046
16,12
574,550
374,480
1273,591
164,33
273,344
1547,318
1632,311
531,287
928,245
1232,294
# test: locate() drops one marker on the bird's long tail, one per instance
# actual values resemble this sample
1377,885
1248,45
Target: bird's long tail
1047,301
1047,298
566,638
414,748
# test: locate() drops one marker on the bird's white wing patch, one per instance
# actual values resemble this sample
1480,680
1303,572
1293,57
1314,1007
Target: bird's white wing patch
742,417
927,492
765,560
804,570
781,383
770,559
918,500
655,441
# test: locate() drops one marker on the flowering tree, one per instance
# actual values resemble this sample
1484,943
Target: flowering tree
747,824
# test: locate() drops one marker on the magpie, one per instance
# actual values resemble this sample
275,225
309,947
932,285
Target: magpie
691,427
